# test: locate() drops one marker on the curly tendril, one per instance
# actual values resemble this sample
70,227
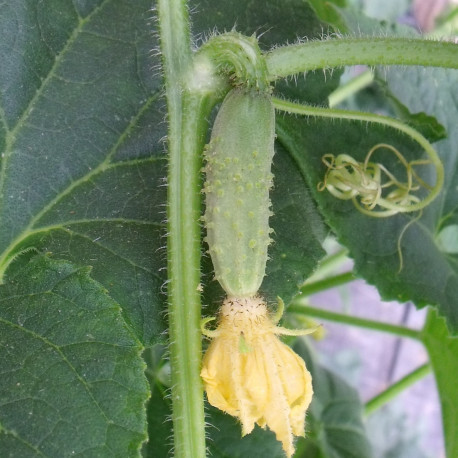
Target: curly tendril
390,204
374,190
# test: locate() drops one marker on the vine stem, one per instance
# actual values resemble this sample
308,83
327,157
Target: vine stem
327,266
187,113
184,207
326,283
298,308
296,108
313,55
396,388
351,87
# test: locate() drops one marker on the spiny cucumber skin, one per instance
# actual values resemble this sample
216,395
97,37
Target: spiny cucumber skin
238,180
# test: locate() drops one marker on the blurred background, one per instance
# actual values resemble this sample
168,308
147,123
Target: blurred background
427,16
410,425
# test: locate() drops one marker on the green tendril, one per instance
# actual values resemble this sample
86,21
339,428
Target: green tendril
374,190
208,332
401,235
373,183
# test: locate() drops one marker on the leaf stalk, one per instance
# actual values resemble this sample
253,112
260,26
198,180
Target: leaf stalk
301,309
396,388
290,60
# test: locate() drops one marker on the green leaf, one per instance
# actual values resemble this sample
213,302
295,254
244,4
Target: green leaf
427,276
226,439
81,169
335,415
72,374
433,91
159,407
328,12
425,99
298,231
443,353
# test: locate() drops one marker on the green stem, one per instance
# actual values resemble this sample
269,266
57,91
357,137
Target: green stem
290,60
184,207
395,389
350,88
306,110
297,307
327,283
328,265
187,126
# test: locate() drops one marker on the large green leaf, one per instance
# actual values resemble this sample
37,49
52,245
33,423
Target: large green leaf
434,91
443,353
431,273
80,120
72,379
427,275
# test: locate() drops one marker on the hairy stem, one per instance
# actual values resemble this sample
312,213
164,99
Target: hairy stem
393,390
297,307
187,126
290,60
184,277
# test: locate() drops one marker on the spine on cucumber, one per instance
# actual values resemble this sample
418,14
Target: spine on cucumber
238,180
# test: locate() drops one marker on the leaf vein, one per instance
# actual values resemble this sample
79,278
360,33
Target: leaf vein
63,357
30,228
21,121
14,434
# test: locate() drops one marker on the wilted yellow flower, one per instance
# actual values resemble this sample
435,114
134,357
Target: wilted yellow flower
250,374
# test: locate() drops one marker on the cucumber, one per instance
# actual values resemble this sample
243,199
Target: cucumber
238,180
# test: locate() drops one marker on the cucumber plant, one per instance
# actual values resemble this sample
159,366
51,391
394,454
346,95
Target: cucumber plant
222,370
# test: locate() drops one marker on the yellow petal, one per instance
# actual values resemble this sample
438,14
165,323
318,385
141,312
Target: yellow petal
216,373
261,381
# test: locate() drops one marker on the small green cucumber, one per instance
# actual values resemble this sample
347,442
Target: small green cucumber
238,180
